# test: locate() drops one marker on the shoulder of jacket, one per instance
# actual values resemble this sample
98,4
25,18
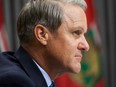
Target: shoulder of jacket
15,79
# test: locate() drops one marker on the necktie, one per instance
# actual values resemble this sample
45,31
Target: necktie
52,85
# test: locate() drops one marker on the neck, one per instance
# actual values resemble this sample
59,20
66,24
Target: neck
39,55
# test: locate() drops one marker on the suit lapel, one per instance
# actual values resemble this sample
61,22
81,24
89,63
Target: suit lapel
30,67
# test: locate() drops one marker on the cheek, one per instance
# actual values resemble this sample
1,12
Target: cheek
69,57
68,53
71,48
62,51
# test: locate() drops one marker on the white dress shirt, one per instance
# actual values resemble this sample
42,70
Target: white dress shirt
44,73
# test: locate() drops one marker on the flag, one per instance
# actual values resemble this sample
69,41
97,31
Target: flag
91,72
3,35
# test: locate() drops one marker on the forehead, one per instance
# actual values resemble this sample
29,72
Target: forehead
74,16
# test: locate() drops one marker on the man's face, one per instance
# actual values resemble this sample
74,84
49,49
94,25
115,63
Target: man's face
65,48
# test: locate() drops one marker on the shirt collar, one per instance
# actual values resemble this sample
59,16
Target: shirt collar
44,73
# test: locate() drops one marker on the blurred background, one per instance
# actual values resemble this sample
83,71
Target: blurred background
98,65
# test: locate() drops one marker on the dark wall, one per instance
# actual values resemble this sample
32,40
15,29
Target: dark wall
106,17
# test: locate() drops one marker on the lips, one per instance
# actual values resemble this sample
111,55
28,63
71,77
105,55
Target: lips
78,57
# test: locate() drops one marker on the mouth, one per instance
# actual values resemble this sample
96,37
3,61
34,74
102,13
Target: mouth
78,57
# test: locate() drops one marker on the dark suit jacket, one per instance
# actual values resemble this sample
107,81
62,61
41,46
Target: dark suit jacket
19,70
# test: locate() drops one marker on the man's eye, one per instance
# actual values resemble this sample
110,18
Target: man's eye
78,32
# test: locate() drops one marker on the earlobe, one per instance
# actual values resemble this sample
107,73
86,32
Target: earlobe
41,34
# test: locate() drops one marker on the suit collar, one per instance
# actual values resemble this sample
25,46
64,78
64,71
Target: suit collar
30,67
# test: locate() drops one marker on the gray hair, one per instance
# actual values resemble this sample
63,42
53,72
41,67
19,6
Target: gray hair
48,13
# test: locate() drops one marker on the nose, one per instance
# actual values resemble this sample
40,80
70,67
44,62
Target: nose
83,45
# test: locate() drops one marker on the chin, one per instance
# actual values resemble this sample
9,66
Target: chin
77,69
73,68
74,71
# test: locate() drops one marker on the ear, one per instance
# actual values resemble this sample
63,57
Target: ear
41,34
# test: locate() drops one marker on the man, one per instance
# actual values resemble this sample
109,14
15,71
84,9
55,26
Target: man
51,34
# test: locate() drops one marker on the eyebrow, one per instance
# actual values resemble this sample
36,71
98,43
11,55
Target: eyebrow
80,28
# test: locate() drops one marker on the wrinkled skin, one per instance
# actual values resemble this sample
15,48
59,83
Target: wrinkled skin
64,50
